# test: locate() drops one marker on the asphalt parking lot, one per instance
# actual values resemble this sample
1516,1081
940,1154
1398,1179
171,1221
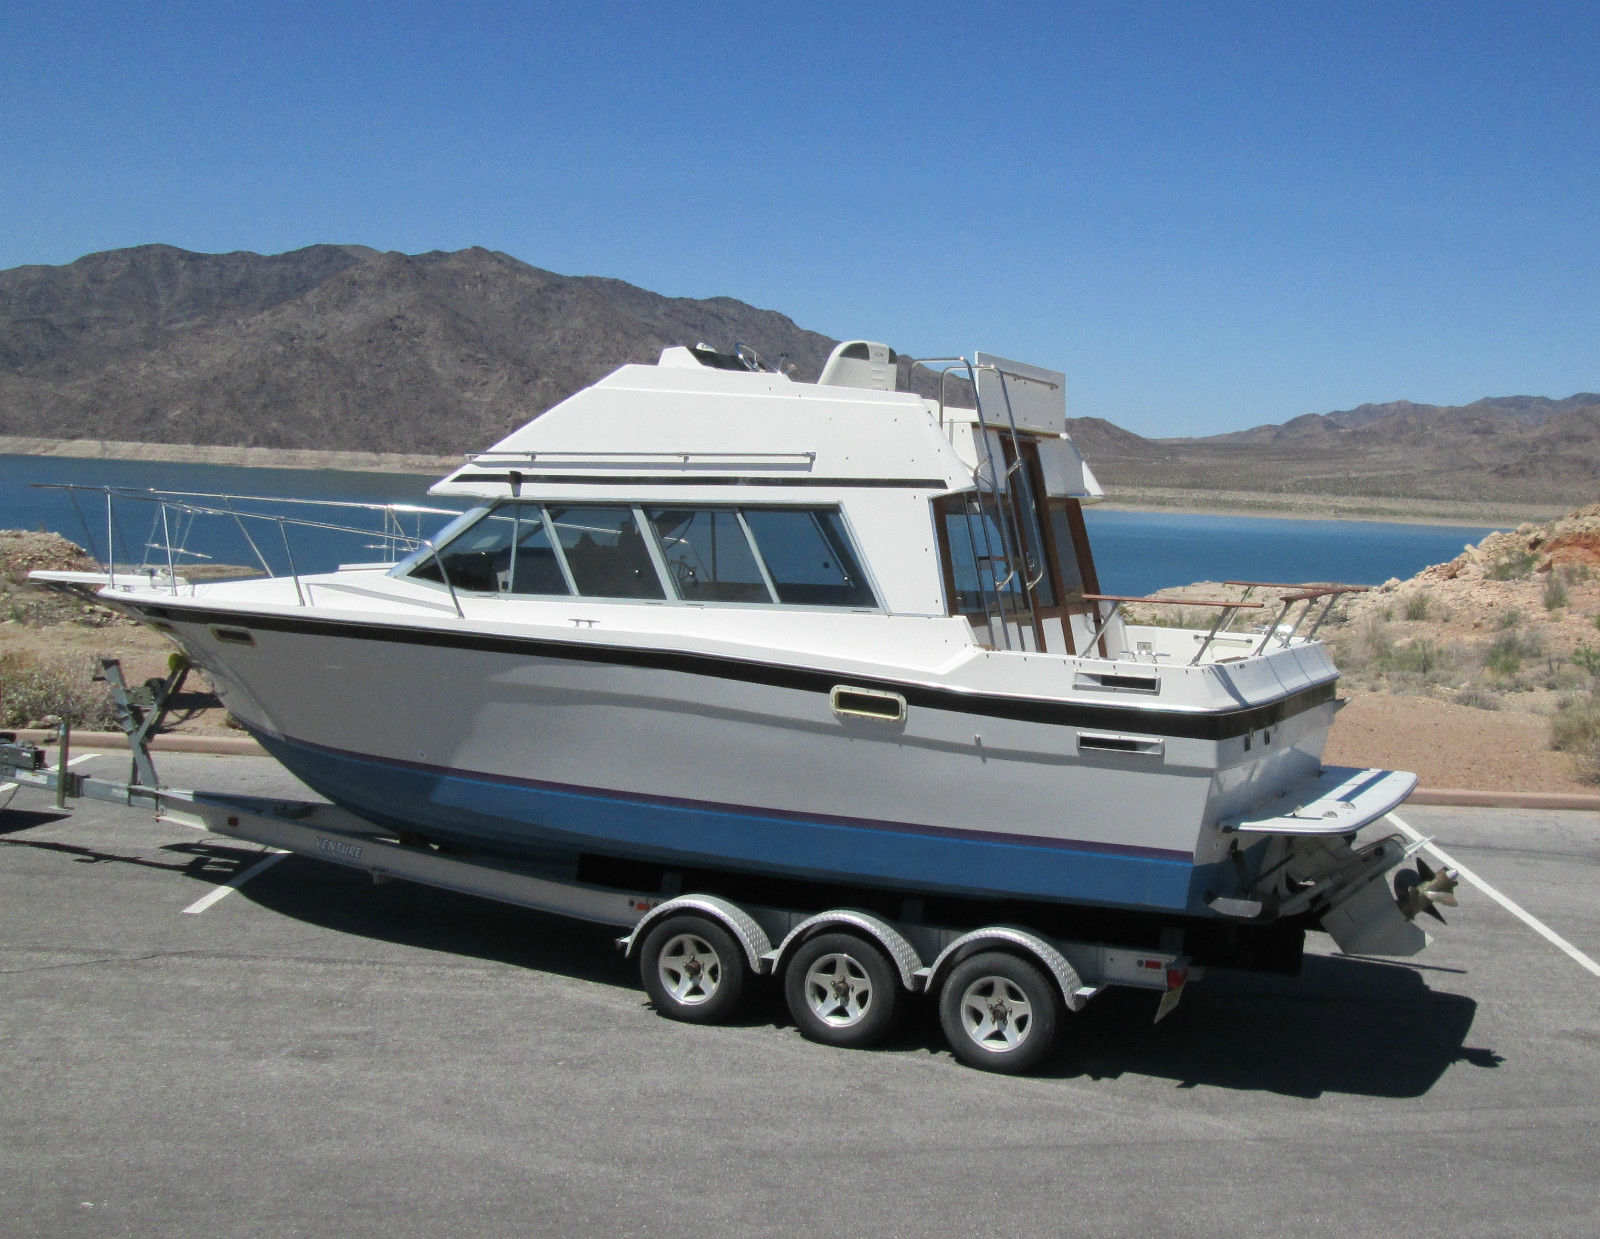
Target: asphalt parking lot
317,1055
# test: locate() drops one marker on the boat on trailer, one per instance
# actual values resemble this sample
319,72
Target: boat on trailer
704,619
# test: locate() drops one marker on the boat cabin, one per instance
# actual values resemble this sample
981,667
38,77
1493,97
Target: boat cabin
713,480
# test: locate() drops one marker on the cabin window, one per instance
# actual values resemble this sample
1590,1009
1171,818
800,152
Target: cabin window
606,553
977,555
475,558
507,550
709,558
534,568
738,555
1041,583
1072,549
807,554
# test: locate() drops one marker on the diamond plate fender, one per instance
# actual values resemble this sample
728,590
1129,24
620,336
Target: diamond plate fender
750,936
900,952
1023,942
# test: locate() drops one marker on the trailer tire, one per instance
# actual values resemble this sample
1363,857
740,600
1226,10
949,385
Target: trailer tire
841,990
999,1012
693,969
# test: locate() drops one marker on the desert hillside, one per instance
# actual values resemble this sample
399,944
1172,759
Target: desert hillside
332,347
344,348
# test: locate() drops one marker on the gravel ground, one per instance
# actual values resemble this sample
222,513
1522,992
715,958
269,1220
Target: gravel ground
1450,745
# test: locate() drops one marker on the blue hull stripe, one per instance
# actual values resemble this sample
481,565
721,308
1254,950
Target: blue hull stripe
508,811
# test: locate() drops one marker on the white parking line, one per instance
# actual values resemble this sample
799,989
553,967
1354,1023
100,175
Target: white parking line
205,901
1510,905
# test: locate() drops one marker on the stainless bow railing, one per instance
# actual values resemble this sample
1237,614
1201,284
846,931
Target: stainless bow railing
175,515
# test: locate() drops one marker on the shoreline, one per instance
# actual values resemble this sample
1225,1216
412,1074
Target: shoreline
1175,501
1199,505
242,457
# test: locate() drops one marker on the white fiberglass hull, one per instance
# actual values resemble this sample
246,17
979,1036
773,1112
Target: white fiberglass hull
713,762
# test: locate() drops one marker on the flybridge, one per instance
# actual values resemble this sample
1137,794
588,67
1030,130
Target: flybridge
699,413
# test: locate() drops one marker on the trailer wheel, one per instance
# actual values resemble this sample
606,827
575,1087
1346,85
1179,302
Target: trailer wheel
692,969
998,1013
841,991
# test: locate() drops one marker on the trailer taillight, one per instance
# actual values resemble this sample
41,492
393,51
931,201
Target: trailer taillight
1177,977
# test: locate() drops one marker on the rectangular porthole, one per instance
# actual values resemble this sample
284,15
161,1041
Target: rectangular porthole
232,636
1117,683
1142,746
871,703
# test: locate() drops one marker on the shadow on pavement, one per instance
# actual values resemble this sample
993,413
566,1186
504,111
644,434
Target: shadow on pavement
1345,1026
210,862
409,914
14,821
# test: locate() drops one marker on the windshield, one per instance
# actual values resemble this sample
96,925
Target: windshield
441,538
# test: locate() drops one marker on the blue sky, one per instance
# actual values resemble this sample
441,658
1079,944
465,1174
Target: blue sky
1209,215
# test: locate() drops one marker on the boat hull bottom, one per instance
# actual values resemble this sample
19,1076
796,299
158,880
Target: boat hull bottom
509,814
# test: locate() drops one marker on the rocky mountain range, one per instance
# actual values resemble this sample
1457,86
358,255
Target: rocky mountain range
344,347
332,347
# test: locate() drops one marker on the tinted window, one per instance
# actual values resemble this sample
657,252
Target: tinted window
1031,538
480,558
476,558
708,557
977,558
1066,548
534,568
808,555
606,552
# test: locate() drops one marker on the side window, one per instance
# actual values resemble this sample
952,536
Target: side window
1072,583
534,567
1031,544
481,557
475,558
976,555
808,556
708,557
606,552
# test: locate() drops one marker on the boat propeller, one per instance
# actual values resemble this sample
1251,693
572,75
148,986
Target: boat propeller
1422,890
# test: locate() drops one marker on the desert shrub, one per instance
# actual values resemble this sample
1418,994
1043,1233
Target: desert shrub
1509,618
38,608
1423,658
1512,566
1366,652
1576,574
1373,653
1587,658
1576,723
1478,698
1575,729
1589,764
1510,650
1414,607
33,690
1561,676
1555,592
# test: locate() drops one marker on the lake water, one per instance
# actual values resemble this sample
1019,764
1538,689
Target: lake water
1136,552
